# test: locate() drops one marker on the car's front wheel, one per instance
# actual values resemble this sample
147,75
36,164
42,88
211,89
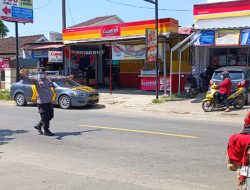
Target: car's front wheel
64,102
20,99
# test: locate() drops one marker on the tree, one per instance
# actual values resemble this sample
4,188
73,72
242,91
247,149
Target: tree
3,30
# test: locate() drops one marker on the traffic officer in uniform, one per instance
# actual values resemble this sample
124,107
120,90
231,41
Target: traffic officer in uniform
44,87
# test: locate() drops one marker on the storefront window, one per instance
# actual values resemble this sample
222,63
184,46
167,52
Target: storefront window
221,57
218,57
237,56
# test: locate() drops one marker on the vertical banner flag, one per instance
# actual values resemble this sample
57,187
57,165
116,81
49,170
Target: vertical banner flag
151,45
16,10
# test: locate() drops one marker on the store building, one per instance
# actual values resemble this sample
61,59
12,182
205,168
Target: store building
224,28
118,50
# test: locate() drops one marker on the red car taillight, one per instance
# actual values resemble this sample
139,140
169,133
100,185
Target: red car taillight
242,84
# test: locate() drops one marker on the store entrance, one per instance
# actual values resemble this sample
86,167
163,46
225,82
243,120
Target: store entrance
115,72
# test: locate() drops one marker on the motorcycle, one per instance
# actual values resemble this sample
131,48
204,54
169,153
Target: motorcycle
191,87
236,99
245,171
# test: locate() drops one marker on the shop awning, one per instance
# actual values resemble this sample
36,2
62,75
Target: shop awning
111,40
47,46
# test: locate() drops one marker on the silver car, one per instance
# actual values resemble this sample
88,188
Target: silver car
237,74
67,93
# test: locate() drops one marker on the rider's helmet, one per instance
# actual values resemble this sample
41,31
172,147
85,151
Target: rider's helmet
225,74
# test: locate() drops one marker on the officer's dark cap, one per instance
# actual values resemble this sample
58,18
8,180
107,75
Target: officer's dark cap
41,69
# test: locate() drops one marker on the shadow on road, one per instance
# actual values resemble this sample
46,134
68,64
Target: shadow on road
5,135
60,136
88,107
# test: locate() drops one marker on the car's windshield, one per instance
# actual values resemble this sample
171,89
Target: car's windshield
234,75
67,83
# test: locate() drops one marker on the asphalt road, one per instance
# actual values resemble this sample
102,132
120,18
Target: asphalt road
97,149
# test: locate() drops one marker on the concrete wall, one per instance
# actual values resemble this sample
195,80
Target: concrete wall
10,77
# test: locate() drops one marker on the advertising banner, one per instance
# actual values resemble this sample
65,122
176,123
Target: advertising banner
151,45
227,37
206,39
149,83
40,54
133,52
245,37
128,52
16,10
4,63
55,56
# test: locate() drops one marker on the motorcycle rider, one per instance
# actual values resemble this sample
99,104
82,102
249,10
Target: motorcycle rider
225,88
238,145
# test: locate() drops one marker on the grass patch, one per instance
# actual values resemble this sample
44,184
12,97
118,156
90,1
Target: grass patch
163,99
5,95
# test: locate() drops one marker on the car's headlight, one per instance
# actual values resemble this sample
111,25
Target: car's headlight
79,94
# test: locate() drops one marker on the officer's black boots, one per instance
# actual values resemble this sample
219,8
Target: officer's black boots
47,132
39,129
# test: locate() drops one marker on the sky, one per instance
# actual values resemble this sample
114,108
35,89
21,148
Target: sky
47,13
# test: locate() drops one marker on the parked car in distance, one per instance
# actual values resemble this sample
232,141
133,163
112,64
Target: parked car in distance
237,74
67,93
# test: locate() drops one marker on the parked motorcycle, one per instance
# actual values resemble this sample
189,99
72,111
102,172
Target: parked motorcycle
204,79
191,87
236,99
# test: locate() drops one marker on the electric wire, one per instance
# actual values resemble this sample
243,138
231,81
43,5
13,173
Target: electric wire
43,6
70,13
140,7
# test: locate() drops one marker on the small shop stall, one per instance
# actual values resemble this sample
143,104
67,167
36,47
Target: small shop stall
49,55
225,35
123,56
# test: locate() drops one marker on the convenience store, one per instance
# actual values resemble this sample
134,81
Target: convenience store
124,44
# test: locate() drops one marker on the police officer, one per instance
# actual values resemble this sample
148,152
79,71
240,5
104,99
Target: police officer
44,100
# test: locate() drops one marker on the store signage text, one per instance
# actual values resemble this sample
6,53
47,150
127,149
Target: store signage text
227,37
108,31
206,39
40,54
16,10
245,37
94,52
55,56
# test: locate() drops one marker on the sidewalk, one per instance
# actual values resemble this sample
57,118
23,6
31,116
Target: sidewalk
136,100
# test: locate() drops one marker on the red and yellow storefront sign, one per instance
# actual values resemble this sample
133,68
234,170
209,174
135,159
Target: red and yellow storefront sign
118,30
222,10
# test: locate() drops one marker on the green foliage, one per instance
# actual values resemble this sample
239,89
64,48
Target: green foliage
5,95
3,30
163,99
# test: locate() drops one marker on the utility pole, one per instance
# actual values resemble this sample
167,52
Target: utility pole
63,14
64,26
17,52
155,2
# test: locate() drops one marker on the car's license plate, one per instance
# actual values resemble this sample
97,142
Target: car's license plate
245,171
95,98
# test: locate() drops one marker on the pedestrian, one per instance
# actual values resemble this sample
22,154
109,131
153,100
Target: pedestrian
44,87
238,146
